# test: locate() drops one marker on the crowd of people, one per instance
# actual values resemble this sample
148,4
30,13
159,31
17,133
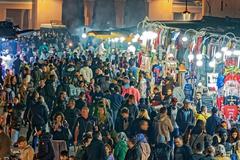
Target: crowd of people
104,107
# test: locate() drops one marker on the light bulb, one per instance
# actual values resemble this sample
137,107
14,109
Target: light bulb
184,39
199,56
212,64
199,63
132,48
190,57
84,35
224,49
122,39
218,55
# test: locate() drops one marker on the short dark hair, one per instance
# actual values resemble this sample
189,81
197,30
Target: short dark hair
64,153
163,110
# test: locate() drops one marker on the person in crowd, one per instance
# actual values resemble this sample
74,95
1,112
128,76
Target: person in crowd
161,151
124,121
203,114
223,134
109,152
45,148
86,72
207,100
81,151
156,97
116,101
96,149
85,123
81,102
198,101
59,128
60,104
5,144
120,149
172,113
185,117
134,150
64,155
39,114
144,145
16,119
141,120
129,88
26,151
71,114
198,135
213,122
163,125
131,105
181,151
50,91
104,121
198,152
27,117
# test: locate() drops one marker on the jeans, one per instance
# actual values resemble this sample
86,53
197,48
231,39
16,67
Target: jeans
14,136
173,134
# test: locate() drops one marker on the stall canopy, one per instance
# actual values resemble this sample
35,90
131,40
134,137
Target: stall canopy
209,24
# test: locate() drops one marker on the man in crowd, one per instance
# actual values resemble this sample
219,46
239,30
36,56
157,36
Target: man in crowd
185,117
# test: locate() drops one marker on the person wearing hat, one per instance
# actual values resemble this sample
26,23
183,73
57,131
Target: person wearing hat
185,116
26,151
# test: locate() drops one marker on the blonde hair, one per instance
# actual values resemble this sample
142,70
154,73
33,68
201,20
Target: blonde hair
143,113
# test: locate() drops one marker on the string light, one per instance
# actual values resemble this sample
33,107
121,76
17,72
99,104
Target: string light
199,63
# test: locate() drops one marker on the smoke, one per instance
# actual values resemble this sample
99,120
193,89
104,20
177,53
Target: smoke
73,13
135,11
104,16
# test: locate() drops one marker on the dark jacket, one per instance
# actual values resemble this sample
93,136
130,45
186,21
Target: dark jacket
134,153
198,156
85,125
50,90
161,151
212,123
80,103
119,124
42,91
39,114
96,151
133,110
116,101
5,143
71,116
184,119
45,148
59,106
183,153
16,116
36,75
61,133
